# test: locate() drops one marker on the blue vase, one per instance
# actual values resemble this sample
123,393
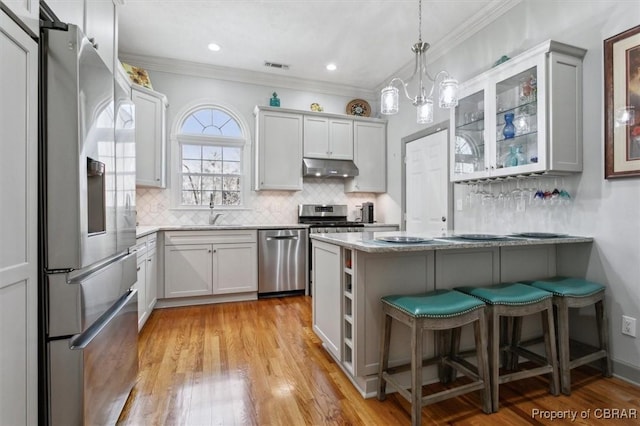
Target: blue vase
274,101
509,130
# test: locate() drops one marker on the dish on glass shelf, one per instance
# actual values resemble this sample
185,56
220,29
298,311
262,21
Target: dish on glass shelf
480,237
539,235
404,239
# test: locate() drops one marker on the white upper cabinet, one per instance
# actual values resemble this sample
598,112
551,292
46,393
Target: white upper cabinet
100,28
521,117
96,19
150,125
278,150
28,11
326,137
370,155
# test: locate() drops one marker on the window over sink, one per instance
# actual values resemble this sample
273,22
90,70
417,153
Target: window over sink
211,150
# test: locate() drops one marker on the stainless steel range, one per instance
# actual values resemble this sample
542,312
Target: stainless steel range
325,218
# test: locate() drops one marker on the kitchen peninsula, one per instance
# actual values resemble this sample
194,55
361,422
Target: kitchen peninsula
351,272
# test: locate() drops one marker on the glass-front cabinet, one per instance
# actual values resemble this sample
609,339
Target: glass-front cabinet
521,117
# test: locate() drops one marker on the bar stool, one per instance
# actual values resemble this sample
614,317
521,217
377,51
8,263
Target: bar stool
517,300
576,293
439,310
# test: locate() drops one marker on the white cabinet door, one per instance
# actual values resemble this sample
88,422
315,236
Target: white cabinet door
340,139
327,315
370,156
151,278
141,286
316,137
100,27
28,11
278,151
326,137
235,268
69,11
150,137
18,223
188,270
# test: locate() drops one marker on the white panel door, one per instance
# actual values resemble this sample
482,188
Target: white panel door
427,184
235,268
188,270
18,224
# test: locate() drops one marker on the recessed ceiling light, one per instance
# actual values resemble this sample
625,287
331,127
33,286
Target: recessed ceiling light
214,47
331,67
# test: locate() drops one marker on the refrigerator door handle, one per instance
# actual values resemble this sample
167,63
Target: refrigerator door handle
85,338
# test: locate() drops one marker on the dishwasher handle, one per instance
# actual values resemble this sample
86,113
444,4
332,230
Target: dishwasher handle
283,237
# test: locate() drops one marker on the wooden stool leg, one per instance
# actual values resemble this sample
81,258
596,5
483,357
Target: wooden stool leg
563,344
550,346
513,359
480,333
494,356
453,351
416,373
384,355
603,336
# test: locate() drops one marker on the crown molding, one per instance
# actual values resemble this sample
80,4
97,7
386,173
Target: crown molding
196,69
467,29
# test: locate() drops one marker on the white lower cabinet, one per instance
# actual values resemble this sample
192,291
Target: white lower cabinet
147,283
210,263
327,323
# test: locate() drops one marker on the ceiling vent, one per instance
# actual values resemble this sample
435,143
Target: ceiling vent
277,66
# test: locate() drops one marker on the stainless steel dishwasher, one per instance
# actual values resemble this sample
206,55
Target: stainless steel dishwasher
282,261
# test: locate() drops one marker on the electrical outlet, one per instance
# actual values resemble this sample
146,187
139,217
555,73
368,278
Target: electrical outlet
629,326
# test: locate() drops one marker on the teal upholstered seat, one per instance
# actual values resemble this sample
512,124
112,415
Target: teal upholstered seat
444,312
507,294
569,292
574,287
508,303
435,304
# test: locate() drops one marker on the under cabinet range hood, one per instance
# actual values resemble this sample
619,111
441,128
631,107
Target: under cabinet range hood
319,167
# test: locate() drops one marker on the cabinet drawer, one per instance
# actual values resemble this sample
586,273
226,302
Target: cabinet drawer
211,237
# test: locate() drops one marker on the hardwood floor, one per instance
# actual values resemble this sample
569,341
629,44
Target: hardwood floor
259,363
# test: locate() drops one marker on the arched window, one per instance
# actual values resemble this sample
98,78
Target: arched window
211,145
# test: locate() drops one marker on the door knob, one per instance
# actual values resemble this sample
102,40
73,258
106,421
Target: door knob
444,219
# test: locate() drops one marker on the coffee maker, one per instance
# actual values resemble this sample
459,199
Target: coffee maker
367,212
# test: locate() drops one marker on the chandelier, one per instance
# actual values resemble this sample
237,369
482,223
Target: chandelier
423,101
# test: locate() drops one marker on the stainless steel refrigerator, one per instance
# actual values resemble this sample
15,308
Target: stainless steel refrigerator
87,227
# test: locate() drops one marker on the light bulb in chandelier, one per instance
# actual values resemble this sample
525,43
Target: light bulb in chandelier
447,89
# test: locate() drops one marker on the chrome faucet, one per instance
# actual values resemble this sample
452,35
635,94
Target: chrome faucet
213,217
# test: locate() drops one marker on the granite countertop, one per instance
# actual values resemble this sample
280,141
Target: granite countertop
142,231
368,242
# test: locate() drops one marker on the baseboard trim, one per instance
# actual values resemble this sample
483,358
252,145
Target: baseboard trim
626,372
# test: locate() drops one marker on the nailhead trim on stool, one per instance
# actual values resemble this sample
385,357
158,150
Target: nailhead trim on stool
577,293
440,310
517,300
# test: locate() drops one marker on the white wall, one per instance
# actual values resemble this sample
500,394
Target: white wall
608,210
264,207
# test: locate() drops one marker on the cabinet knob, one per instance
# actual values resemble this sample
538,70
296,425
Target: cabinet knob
209,251
157,179
138,268
148,260
444,219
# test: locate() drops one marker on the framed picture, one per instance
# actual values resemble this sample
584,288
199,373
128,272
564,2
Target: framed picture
622,104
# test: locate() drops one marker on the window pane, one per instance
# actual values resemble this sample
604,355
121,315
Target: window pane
230,198
220,118
213,167
207,183
217,198
188,198
191,166
217,183
231,153
190,182
212,152
191,152
232,129
211,131
231,183
206,197
231,168
192,126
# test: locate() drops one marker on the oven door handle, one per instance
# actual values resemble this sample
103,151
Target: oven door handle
82,340
283,237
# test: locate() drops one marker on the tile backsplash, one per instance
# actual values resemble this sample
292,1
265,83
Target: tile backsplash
262,207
